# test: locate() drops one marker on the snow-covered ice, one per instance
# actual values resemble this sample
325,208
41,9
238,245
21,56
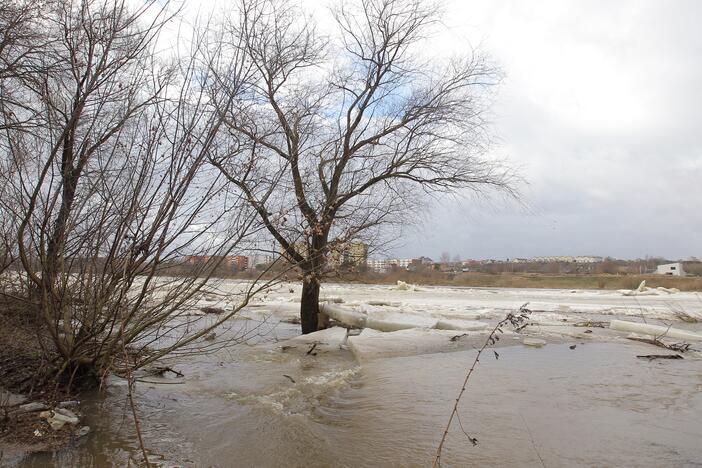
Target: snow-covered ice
429,316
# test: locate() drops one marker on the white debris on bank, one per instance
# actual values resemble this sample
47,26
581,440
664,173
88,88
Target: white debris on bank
58,417
402,286
644,290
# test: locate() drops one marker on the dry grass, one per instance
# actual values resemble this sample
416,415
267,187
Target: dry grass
534,280
26,369
25,365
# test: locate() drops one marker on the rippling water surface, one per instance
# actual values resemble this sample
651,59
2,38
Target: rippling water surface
256,405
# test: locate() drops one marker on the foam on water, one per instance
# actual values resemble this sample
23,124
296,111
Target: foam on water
301,396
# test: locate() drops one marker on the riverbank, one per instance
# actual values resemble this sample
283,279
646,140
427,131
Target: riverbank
578,395
36,414
428,277
534,280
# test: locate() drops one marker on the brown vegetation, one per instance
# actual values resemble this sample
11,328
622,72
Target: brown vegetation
104,186
26,369
529,280
25,361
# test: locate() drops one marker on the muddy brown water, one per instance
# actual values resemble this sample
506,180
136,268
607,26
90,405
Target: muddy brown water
596,405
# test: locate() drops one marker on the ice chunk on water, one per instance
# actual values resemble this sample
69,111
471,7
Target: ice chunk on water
378,318
373,345
393,321
469,325
348,317
654,330
327,340
535,342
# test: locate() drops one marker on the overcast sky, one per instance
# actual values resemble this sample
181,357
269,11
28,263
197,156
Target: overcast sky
601,109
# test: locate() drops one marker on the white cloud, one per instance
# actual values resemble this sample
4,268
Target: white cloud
601,108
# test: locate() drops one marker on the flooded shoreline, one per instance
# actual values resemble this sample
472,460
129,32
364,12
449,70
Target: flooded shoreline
260,404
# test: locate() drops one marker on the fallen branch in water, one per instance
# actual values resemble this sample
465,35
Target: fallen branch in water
158,383
312,349
679,347
651,357
514,319
160,370
212,310
592,324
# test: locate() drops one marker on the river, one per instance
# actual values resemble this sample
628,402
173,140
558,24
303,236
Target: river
261,404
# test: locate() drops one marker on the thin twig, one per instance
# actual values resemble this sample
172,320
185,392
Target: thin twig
511,318
533,444
130,385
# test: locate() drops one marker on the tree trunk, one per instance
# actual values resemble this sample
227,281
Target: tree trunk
57,239
309,303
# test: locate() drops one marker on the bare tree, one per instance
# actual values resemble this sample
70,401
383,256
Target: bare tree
108,191
21,42
445,258
336,137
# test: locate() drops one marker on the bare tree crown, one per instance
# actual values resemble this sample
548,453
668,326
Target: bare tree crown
348,128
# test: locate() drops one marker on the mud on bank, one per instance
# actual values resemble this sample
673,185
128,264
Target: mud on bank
27,377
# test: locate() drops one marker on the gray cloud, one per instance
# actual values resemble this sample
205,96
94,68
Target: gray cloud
601,109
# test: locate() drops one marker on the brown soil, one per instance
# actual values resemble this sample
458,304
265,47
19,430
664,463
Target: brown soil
27,432
26,371
23,363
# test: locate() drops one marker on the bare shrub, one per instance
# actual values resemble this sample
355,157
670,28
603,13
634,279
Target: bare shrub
108,188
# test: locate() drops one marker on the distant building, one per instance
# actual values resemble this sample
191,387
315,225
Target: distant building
382,265
259,259
353,254
233,262
387,264
568,259
378,266
670,269
239,262
588,259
